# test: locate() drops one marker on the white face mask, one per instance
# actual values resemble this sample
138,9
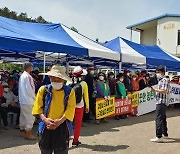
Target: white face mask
6,89
79,79
128,74
121,79
158,75
92,72
134,78
101,78
57,85
111,76
74,80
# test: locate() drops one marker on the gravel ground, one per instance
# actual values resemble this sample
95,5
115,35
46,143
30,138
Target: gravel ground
127,136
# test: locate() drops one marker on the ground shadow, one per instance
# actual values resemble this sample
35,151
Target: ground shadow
172,140
103,148
11,138
90,129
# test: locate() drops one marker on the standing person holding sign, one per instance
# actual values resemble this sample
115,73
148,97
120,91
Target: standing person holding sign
120,92
103,91
161,101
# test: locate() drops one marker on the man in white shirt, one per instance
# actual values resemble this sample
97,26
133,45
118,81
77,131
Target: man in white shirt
26,101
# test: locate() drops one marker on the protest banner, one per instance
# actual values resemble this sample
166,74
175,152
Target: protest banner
105,108
135,99
174,94
146,101
122,106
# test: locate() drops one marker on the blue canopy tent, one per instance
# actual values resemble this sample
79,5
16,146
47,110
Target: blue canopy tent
150,55
22,37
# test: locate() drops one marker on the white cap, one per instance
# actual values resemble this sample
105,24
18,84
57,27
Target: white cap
78,70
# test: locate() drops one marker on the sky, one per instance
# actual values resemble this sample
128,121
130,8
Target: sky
102,19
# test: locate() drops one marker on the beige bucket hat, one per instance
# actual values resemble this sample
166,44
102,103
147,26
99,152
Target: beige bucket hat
58,71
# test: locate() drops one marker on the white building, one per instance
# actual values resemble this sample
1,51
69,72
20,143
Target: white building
163,31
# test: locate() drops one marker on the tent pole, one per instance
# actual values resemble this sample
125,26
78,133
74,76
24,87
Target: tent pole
120,66
3,67
44,66
115,71
67,64
131,34
67,67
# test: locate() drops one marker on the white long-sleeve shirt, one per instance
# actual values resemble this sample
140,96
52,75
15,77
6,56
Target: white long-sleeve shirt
26,89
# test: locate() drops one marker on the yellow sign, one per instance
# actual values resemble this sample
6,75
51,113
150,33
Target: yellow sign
105,108
135,99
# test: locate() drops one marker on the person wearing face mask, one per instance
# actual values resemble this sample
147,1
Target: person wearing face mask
120,88
82,106
26,101
142,80
61,99
92,101
153,80
161,101
112,83
120,92
103,91
9,104
135,83
127,81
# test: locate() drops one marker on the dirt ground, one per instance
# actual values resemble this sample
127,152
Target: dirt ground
127,136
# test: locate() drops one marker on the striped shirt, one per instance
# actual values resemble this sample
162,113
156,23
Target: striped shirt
163,84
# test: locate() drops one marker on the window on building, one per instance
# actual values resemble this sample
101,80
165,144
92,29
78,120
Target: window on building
178,37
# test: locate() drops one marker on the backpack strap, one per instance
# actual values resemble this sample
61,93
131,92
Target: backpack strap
67,91
47,96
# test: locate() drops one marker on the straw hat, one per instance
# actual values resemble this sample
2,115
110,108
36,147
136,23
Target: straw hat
58,71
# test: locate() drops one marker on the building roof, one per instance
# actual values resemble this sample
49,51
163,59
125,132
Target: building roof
151,21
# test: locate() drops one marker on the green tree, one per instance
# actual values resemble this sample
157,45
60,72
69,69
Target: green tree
40,19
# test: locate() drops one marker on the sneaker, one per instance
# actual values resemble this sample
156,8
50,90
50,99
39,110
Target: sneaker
116,118
76,143
165,137
6,127
16,127
104,121
156,139
97,122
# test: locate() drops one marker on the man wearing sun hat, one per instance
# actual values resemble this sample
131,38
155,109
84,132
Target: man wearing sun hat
55,134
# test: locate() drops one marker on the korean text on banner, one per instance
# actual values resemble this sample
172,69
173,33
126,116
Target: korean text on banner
135,99
174,94
105,108
146,101
122,106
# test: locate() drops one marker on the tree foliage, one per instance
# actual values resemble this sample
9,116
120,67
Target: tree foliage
5,12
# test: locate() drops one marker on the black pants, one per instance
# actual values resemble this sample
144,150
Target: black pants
56,141
55,152
4,111
92,108
161,124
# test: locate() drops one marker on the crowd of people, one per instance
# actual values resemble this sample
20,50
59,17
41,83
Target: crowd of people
22,93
